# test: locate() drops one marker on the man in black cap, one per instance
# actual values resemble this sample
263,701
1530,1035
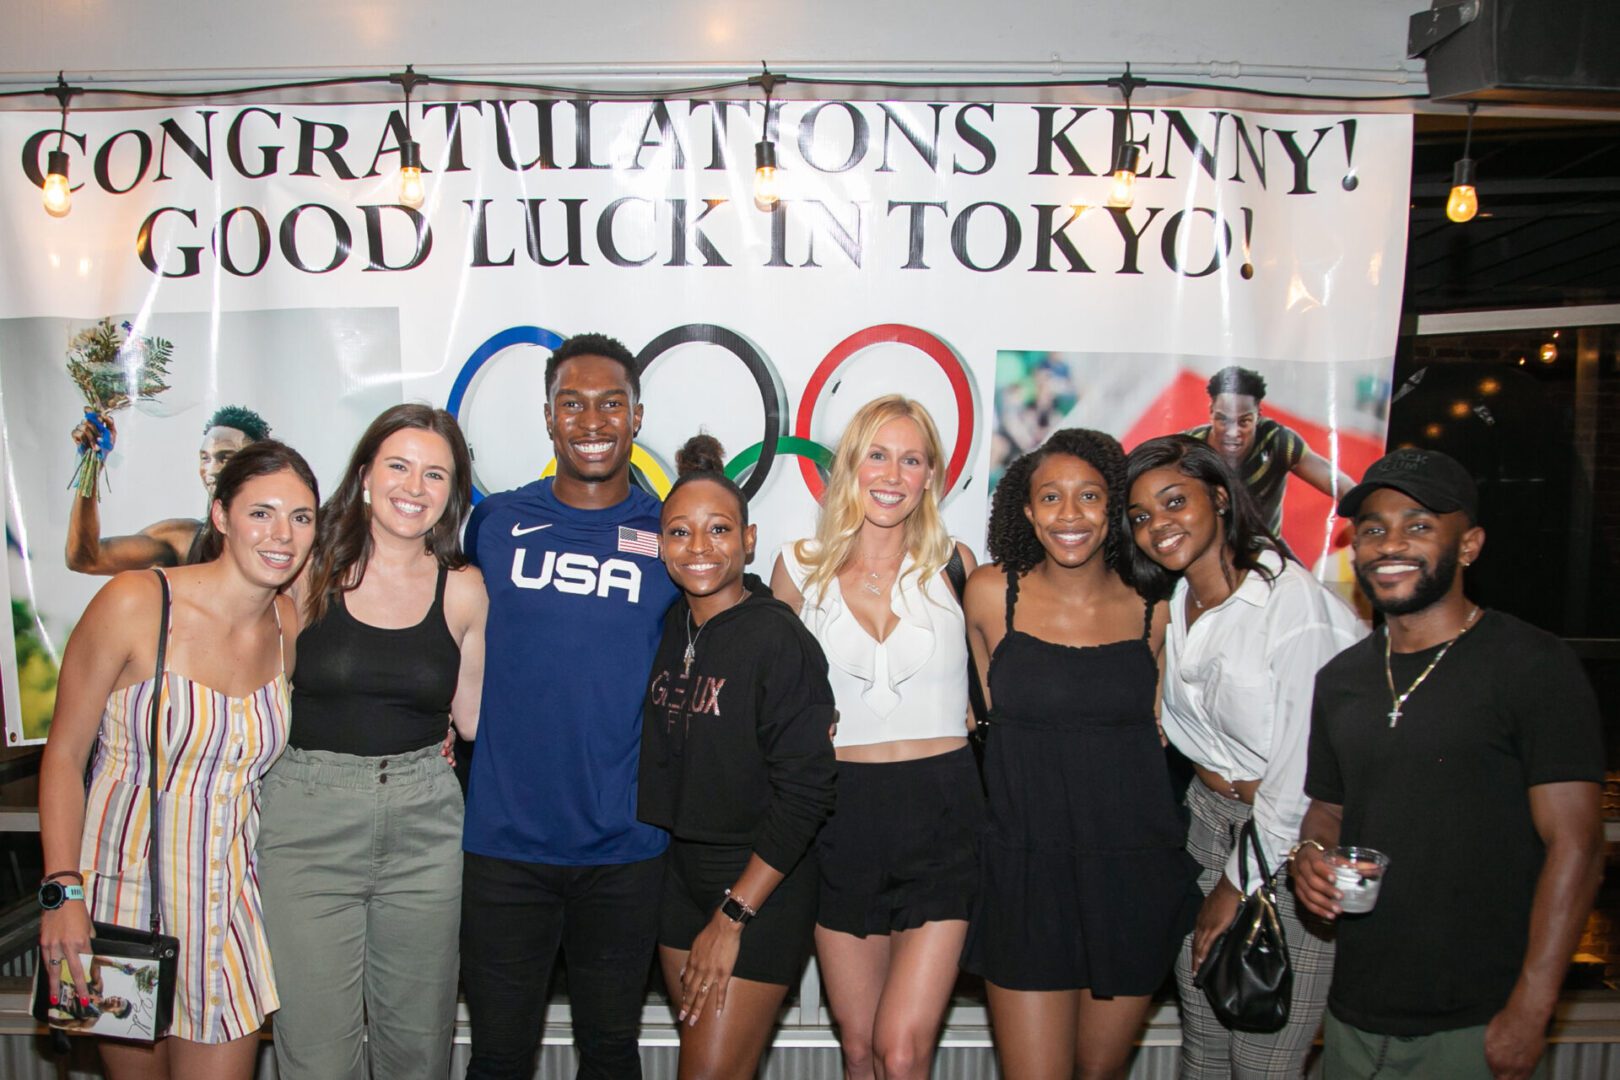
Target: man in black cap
1466,746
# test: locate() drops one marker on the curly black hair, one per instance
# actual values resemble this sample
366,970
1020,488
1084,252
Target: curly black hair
242,419
593,345
1012,540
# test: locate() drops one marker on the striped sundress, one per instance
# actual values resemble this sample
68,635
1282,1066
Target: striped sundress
215,748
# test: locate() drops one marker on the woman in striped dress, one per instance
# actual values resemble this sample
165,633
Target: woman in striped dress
222,721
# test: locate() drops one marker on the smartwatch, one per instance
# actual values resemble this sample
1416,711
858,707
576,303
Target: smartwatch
53,895
737,909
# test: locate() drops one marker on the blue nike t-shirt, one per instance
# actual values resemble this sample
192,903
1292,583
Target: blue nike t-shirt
576,606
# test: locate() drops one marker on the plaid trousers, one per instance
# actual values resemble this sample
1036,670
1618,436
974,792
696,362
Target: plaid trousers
1209,1050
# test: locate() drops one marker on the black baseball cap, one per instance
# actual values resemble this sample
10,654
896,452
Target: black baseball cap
1436,480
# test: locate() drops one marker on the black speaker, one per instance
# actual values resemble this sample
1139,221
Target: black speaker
1534,52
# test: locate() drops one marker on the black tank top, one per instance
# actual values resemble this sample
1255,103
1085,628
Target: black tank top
371,691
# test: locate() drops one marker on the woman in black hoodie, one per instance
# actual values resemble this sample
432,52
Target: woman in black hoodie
737,763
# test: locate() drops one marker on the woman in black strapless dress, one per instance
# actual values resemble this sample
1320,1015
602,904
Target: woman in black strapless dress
1086,888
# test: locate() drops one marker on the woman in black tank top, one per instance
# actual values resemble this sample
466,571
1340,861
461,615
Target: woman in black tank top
1086,890
360,849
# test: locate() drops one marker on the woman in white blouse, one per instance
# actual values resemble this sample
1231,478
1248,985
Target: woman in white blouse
899,857
1249,629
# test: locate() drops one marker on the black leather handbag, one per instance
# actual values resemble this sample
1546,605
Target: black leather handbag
1246,975
143,1010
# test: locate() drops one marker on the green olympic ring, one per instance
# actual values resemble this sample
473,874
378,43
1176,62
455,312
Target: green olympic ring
808,449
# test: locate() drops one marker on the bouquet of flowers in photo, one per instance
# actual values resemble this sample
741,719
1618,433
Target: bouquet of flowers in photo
113,367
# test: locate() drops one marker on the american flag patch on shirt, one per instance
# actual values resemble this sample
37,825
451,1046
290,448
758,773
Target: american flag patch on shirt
638,541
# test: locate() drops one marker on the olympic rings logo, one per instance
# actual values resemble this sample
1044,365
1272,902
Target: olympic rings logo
751,466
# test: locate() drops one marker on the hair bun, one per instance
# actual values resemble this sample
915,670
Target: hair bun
702,453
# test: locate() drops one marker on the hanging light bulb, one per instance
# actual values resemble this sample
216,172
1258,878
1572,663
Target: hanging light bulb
1463,202
58,196
1122,192
412,192
766,191
1128,158
58,193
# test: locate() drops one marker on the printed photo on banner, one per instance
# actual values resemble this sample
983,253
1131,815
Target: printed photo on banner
1291,429
125,426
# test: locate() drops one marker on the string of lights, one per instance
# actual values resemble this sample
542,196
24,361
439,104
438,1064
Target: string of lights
412,193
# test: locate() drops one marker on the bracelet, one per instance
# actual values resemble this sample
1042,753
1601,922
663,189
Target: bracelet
62,874
737,909
1295,850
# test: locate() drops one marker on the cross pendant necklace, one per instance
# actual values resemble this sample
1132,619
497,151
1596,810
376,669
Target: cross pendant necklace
1398,701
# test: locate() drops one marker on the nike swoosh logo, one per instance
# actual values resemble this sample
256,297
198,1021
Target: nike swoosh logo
518,530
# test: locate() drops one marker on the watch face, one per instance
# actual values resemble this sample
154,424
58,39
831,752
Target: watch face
50,896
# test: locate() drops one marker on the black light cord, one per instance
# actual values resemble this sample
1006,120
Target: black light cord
755,82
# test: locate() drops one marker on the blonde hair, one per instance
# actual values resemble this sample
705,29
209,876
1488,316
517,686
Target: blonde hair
838,525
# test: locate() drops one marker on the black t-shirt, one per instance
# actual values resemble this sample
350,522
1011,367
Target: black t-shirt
1445,794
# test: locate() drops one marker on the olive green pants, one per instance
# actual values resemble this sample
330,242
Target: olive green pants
1348,1053
360,871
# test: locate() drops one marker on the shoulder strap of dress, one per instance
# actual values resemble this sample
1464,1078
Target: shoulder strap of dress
1012,597
438,590
281,638
1147,620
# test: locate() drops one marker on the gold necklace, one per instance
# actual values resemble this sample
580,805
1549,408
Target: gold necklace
1398,701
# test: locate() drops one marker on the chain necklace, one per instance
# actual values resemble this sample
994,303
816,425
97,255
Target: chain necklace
690,654
1398,701
874,580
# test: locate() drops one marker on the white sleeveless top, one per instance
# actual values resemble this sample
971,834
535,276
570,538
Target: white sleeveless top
913,685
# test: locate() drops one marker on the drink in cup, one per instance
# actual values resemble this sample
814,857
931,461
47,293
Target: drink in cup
1357,872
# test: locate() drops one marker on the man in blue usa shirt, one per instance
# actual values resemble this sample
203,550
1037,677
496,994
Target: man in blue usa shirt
554,855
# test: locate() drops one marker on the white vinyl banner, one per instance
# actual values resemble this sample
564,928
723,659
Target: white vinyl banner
258,256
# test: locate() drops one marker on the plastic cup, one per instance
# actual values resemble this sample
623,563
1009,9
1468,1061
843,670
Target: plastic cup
1358,872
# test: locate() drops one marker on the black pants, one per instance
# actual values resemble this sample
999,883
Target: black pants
514,915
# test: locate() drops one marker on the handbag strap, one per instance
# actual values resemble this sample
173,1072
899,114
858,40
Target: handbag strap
956,574
1250,837
158,689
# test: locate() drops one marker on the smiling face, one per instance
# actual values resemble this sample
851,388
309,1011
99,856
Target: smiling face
894,473
1174,518
219,445
409,482
592,419
1406,555
1068,508
268,528
1233,419
705,544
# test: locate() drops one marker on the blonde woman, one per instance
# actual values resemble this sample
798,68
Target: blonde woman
899,857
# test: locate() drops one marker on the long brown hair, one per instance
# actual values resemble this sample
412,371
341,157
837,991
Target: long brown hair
343,529
263,458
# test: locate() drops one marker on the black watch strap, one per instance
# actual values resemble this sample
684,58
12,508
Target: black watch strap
736,910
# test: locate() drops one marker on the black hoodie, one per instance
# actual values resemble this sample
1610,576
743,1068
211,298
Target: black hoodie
738,751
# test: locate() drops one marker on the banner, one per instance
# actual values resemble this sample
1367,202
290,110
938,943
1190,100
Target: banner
258,257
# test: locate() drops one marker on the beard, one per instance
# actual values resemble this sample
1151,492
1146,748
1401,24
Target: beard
1432,586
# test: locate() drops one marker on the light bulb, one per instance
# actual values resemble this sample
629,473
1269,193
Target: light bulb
1122,193
766,192
58,197
1463,203
1549,353
412,192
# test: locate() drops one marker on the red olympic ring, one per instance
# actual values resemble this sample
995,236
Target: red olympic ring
897,333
